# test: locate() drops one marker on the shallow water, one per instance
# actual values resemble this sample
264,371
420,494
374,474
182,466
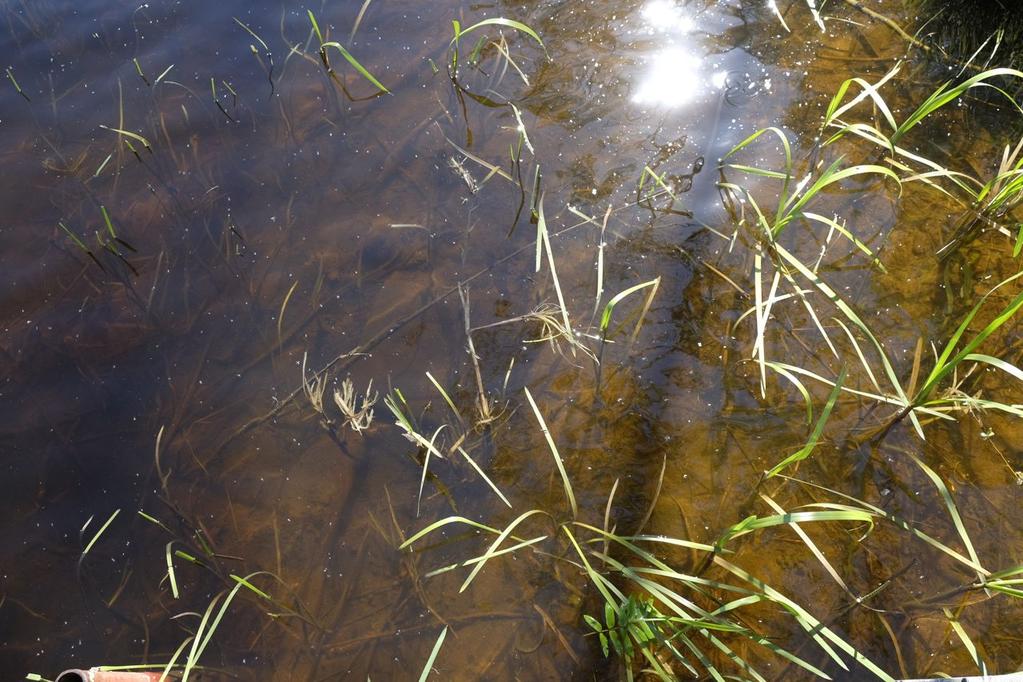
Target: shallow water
284,220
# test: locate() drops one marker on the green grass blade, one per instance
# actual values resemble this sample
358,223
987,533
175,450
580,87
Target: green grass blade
128,133
859,353
605,318
486,478
794,380
74,238
170,569
967,642
658,180
868,90
627,540
786,147
1006,367
946,94
761,172
818,429
447,398
946,363
163,74
607,589
892,518
204,634
754,523
445,522
155,521
831,176
244,582
841,229
851,315
475,560
430,449
812,625
316,26
810,544
433,655
953,511
107,222
494,547
355,63
260,40
100,532
544,237
17,87
499,21
884,399
284,306
193,654
554,451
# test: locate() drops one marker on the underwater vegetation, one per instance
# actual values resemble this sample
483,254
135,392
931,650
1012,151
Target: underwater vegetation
962,28
625,340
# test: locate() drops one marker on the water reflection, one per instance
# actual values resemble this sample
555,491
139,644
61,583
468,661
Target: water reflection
673,77
676,72
108,368
666,16
678,68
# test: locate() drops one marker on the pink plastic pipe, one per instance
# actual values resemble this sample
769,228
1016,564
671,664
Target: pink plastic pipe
98,675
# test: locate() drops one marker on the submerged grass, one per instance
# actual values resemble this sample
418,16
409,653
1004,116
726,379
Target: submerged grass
986,203
658,615
679,619
818,428
17,86
267,53
428,668
99,533
569,494
657,611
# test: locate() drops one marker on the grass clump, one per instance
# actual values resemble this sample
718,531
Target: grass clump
987,202
672,618
961,28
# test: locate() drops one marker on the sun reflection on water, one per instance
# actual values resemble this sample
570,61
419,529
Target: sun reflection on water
676,73
671,79
666,16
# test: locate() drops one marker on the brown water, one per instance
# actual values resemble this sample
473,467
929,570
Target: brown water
295,219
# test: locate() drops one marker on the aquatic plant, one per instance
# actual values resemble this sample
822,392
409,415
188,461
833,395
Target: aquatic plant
267,53
962,28
359,418
792,205
327,45
654,602
651,604
460,32
661,604
17,86
986,203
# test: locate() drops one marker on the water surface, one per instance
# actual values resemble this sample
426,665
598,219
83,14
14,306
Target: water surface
284,219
